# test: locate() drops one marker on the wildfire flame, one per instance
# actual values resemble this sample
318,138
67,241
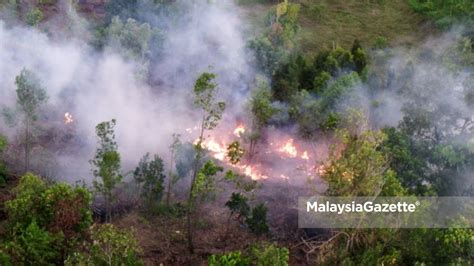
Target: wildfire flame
239,131
68,119
305,156
217,146
289,149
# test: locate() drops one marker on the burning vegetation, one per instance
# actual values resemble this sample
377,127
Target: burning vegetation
207,131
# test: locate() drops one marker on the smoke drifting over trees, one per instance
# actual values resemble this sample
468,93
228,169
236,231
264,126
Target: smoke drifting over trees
223,113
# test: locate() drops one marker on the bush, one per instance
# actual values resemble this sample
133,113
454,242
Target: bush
149,174
58,215
33,246
260,255
233,258
257,222
34,16
446,13
270,254
110,246
237,204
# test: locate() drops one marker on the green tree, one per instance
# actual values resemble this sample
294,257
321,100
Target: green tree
149,174
106,165
359,56
360,169
237,204
30,96
131,37
262,111
211,111
257,221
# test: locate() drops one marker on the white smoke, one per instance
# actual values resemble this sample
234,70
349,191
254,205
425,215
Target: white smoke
96,87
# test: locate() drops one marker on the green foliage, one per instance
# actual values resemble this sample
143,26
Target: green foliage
359,57
32,246
30,93
270,255
267,55
150,175
233,258
313,114
284,24
110,246
46,221
235,152
34,16
405,160
30,96
321,81
380,42
271,47
446,13
237,204
106,164
317,10
298,73
204,90
265,254
261,105
133,38
257,221
360,169
241,182
204,185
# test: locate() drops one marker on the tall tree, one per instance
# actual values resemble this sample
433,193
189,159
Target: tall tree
211,111
30,96
262,111
106,164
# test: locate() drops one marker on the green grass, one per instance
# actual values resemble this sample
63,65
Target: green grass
325,23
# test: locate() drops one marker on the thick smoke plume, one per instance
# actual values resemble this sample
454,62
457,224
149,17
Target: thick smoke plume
97,86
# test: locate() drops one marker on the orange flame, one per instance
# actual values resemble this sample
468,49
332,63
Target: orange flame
289,149
239,131
305,156
68,119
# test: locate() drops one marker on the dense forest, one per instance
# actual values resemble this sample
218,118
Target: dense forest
176,132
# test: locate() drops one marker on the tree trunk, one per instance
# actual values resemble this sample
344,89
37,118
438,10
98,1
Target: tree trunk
190,197
170,177
27,149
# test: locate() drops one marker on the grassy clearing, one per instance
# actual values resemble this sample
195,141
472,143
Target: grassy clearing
325,23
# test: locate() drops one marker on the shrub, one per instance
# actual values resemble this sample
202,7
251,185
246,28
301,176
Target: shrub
260,255
270,254
110,246
257,222
58,215
32,246
238,205
150,175
34,16
233,258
